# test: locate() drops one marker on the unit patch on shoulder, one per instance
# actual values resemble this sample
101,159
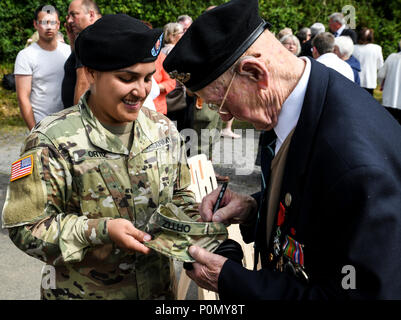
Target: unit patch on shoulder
21,168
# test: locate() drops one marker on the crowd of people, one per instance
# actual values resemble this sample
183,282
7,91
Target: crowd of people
364,59
102,177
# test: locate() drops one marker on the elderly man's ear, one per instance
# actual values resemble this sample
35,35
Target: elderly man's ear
255,69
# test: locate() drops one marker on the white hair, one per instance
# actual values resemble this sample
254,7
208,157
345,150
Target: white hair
184,17
317,28
293,38
337,17
170,30
345,46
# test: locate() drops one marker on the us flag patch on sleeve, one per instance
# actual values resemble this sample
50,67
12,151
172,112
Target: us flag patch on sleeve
21,168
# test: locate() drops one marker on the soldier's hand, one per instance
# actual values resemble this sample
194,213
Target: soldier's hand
234,207
206,269
126,236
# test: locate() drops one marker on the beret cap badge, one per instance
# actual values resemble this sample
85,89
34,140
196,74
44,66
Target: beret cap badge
181,77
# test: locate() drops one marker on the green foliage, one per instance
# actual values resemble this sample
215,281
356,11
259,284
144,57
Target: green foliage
383,16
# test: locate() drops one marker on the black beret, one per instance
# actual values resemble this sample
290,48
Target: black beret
214,41
117,41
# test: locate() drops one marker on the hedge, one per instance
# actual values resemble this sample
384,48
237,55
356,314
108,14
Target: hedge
383,16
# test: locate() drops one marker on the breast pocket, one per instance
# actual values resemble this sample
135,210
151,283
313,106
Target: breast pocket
144,174
95,199
104,191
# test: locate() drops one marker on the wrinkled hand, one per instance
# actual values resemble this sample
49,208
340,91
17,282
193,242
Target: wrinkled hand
126,236
206,269
234,207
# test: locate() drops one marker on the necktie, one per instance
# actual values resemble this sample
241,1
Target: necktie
267,144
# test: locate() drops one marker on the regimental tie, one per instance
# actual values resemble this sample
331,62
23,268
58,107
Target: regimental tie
267,144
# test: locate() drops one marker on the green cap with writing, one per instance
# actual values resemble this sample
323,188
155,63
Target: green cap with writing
173,232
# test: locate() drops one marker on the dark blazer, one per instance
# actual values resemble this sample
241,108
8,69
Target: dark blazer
350,33
343,173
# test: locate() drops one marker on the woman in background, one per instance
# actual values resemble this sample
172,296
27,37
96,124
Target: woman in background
370,57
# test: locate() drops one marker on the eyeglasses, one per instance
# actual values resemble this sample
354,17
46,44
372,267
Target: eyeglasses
219,109
46,22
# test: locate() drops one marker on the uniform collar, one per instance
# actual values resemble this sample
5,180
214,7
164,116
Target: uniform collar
292,106
102,138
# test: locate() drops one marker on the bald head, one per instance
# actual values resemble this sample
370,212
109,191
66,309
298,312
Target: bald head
81,14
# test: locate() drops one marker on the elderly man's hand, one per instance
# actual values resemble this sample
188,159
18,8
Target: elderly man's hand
234,207
206,269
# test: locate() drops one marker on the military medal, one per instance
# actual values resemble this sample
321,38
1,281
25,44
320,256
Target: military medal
293,250
280,221
290,255
294,254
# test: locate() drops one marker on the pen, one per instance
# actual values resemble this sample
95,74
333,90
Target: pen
220,197
188,265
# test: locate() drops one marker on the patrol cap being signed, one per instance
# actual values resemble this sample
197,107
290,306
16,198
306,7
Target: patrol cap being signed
117,41
214,41
173,233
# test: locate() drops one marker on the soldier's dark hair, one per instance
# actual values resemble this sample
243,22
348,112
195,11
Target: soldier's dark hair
46,7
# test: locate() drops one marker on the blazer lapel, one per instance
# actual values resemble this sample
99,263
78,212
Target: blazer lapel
304,136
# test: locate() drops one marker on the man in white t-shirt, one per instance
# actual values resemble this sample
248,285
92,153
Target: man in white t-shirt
39,69
323,47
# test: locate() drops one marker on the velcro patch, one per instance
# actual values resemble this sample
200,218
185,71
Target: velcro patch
21,168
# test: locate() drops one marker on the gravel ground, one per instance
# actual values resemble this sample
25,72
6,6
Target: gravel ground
20,274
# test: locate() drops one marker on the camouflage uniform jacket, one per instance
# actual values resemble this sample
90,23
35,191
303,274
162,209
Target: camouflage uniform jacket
82,176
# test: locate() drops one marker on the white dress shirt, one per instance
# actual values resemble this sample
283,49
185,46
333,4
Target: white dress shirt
391,73
339,31
292,107
332,61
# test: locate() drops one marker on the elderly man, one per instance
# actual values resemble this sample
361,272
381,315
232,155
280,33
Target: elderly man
338,26
185,20
323,51
328,224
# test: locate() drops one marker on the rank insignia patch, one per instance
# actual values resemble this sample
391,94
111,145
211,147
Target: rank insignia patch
21,168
